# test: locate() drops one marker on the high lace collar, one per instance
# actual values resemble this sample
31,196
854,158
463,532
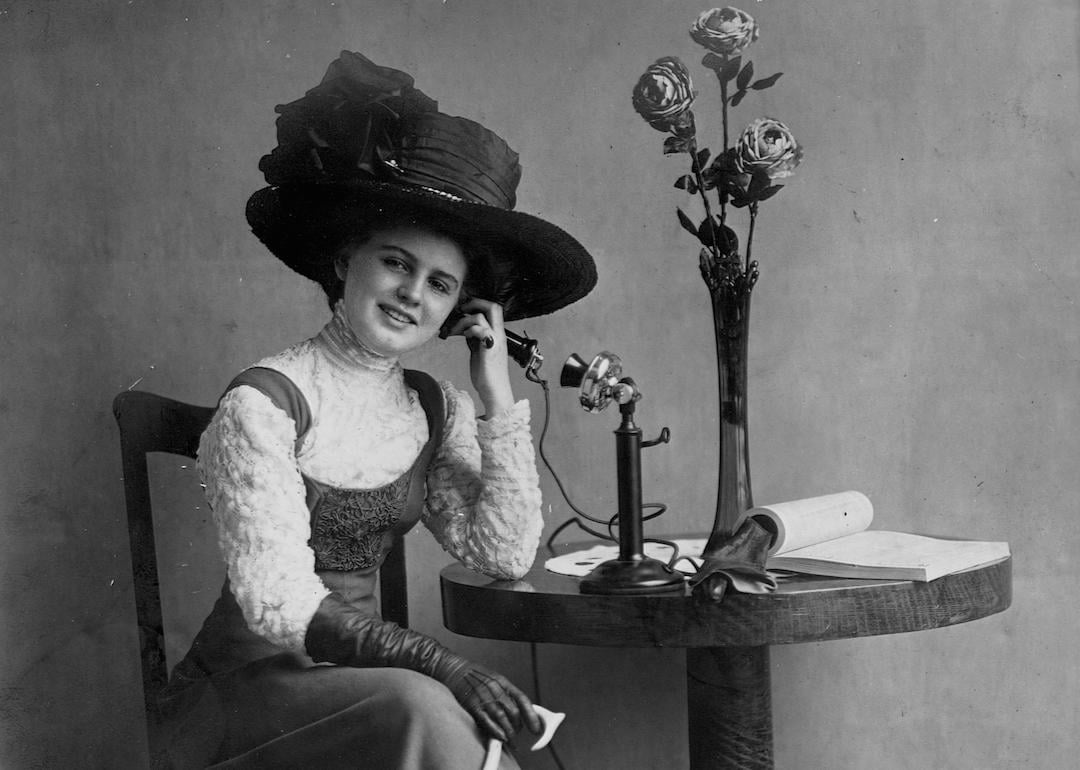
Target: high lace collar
347,349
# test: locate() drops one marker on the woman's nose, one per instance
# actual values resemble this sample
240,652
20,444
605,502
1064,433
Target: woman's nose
409,291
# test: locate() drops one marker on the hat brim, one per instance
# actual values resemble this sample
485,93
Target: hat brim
536,267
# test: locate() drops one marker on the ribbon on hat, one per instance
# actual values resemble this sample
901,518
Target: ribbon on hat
347,127
369,123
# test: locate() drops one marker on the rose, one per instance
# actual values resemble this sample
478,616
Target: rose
663,95
767,146
725,31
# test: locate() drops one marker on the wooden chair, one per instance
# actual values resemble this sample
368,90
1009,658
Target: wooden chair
153,423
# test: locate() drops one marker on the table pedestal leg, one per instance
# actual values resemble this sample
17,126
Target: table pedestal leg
729,706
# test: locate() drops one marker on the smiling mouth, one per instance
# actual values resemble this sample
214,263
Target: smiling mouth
397,315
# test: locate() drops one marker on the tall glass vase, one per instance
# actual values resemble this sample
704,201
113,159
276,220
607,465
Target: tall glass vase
736,550
731,322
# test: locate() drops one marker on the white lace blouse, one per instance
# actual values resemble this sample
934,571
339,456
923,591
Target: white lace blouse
367,429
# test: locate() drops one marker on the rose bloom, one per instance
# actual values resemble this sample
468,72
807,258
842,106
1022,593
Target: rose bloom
767,145
725,31
663,95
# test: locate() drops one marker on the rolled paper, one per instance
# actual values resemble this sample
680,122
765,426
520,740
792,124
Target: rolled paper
800,523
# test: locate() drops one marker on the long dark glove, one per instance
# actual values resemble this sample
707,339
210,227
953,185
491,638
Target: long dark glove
737,562
340,633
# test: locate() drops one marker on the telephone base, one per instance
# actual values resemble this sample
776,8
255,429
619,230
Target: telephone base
643,575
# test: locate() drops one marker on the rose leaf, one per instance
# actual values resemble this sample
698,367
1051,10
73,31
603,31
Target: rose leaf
726,240
760,181
714,62
760,85
769,192
730,70
688,183
738,97
739,196
745,76
674,144
684,220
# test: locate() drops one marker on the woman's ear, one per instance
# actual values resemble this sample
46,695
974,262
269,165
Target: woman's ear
341,267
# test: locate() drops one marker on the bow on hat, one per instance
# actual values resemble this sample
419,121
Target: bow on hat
348,125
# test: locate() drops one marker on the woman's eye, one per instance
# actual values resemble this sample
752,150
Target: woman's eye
440,286
395,263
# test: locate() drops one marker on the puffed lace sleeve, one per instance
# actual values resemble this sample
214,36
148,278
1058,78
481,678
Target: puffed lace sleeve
483,502
253,485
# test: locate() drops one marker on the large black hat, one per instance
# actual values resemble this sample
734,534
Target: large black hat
365,146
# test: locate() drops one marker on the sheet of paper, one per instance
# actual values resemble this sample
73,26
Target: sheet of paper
580,563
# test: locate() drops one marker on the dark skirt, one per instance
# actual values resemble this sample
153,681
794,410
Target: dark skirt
236,701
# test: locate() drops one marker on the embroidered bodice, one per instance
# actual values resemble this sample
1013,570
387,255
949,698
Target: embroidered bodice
348,525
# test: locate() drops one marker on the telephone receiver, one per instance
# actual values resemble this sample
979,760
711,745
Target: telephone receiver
521,348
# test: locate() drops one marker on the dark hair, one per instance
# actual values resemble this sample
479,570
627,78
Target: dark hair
478,255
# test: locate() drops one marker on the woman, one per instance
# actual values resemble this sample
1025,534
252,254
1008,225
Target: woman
320,457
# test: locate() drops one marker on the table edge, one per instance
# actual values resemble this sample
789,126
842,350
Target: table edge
834,609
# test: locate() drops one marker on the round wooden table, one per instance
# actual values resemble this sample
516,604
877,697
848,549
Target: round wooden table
727,661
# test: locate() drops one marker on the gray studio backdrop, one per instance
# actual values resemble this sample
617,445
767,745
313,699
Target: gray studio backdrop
914,331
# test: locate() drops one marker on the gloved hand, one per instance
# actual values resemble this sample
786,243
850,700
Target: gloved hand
342,634
499,708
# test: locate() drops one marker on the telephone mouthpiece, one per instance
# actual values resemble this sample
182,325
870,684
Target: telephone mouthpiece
573,371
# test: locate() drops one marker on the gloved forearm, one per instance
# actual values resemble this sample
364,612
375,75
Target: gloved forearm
342,634
339,633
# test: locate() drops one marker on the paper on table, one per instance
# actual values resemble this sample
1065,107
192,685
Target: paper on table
581,563
891,555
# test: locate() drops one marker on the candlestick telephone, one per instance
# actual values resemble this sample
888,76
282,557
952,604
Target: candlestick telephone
600,382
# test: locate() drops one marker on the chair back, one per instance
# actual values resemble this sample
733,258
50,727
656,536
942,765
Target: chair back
152,423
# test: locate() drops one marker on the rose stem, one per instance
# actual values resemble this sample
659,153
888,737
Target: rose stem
750,234
724,123
696,168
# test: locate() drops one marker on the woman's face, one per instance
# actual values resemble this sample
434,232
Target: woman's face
400,285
